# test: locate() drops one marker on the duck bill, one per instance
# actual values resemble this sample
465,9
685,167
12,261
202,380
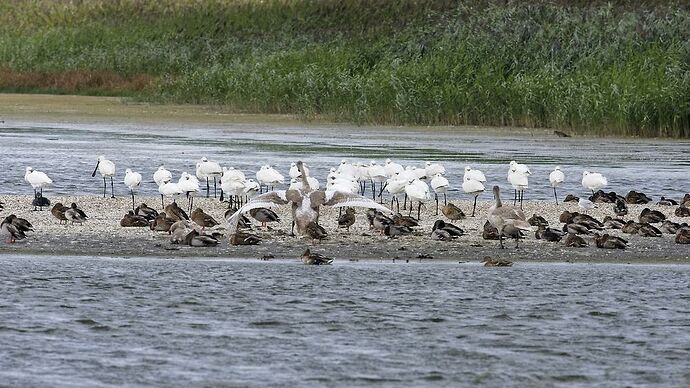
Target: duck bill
95,169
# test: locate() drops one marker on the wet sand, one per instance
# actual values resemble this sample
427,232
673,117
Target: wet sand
102,235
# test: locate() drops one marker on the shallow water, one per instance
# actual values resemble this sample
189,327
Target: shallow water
94,321
68,153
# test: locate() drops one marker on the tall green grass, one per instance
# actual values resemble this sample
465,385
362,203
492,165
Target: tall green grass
607,68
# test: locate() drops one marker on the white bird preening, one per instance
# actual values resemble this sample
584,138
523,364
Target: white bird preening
305,203
161,174
376,173
593,181
440,185
189,185
38,180
556,178
168,189
206,169
507,219
107,169
473,184
518,177
133,181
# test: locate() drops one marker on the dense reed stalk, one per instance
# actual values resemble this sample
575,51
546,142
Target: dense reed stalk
608,68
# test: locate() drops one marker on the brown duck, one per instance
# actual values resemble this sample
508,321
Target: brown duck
491,262
162,223
131,220
175,212
202,219
609,242
683,236
573,240
452,212
348,219
264,215
310,258
244,238
58,211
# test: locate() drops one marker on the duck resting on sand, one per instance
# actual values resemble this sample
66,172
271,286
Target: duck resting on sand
305,203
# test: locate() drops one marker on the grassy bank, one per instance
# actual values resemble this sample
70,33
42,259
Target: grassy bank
610,68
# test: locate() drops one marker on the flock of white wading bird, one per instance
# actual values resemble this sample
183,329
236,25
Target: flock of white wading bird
346,186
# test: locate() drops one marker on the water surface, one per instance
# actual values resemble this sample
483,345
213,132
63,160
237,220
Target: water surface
108,321
68,153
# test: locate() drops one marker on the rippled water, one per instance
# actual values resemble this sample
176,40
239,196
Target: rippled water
94,321
68,152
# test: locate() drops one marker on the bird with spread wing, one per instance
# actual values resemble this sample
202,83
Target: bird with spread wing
305,203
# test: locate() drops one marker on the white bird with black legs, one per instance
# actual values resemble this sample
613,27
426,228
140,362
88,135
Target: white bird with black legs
556,178
269,177
376,173
585,204
473,184
417,190
305,204
206,169
38,180
440,185
396,185
189,184
593,181
169,189
161,174
107,169
132,181
518,177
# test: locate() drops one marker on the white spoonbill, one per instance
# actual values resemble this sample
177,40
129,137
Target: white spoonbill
391,168
418,191
206,169
396,185
593,181
440,185
376,173
107,169
432,169
556,178
268,176
38,180
133,181
189,185
168,189
474,188
161,174
518,177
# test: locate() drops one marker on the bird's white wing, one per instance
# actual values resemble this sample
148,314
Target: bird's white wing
267,200
344,199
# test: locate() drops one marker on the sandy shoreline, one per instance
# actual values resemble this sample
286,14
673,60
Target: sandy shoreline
102,235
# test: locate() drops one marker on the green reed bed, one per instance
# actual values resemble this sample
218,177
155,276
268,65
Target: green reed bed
604,68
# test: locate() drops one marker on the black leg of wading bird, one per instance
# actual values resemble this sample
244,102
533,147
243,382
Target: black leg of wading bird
112,190
474,206
105,187
435,197
555,196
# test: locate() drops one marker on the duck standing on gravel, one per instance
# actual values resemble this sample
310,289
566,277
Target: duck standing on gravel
58,211
347,220
74,214
202,219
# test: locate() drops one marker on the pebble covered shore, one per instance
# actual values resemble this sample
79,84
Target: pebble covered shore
102,235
